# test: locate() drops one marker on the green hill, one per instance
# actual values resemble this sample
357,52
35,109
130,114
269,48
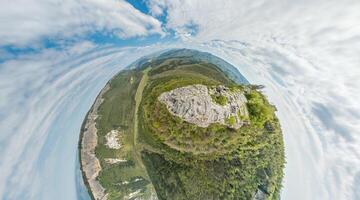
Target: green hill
166,156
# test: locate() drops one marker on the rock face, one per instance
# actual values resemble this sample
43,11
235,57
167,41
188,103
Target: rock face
260,195
195,104
90,164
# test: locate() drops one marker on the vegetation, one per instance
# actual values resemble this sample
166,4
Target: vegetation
260,110
231,120
185,161
220,99
117,112
178,159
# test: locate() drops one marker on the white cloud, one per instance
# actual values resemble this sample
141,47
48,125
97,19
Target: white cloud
319,113
26,22
307,53
44,98
326,31
156,8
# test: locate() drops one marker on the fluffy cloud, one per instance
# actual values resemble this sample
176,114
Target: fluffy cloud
44,98
26,22
324,31
307,52
319,113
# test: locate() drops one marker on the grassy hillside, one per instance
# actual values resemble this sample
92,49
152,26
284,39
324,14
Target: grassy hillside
189,162
177,159
117,112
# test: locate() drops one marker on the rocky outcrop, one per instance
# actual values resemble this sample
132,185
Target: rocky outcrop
114,160
112,139
260,195
195,104
90,164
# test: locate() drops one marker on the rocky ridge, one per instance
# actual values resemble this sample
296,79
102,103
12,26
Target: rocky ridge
195,104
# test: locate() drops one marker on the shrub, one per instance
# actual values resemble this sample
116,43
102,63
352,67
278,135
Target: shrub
219,99
231,120
260,111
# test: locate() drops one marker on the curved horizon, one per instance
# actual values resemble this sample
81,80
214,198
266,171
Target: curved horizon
56,57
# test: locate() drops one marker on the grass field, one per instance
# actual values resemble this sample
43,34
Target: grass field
117,112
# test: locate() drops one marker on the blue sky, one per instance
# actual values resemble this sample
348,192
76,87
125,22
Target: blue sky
56,55
98,37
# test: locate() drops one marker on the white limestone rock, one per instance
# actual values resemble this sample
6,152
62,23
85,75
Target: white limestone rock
194,104
112,139
114,160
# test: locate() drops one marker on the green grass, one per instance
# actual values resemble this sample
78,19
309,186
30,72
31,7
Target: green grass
138,99
118,112
189,162
181,160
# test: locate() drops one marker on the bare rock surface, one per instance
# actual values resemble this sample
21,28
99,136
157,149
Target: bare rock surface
260,195
90,164
112,139
114,160
194,104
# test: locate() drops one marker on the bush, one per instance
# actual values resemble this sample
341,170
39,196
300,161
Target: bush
231,120
219,99
259,110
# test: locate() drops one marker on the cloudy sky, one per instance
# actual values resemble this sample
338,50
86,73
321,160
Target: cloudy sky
55,56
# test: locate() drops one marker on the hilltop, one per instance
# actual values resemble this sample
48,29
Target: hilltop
183,125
